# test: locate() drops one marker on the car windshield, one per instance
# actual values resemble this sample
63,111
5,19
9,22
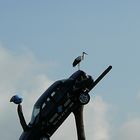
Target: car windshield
35,112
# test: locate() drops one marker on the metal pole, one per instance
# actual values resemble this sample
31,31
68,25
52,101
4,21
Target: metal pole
21,118
78,113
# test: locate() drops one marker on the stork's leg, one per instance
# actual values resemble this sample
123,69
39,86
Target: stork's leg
79,123
78,66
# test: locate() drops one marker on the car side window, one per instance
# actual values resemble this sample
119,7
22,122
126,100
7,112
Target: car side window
35,112
43,105
53,93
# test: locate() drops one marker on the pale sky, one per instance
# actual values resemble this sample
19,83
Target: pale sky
39,41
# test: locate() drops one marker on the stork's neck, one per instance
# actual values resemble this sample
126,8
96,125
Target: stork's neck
82,57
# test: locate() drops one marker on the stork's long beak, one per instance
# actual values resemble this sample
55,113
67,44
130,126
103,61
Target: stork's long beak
85,53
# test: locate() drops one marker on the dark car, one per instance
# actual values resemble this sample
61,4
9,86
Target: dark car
56,103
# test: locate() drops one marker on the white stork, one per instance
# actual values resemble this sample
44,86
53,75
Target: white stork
78,60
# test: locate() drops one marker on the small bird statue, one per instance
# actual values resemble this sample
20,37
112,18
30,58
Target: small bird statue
16,99
78,60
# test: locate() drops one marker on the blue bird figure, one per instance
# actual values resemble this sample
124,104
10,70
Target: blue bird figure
16,99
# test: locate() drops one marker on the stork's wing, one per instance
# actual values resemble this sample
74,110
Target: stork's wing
76,61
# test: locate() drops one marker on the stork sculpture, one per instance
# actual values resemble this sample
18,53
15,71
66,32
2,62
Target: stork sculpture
78,60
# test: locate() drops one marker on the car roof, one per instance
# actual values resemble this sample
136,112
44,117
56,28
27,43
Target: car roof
76,74
55,85
47,93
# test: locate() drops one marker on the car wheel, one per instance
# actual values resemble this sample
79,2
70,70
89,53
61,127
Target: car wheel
84,98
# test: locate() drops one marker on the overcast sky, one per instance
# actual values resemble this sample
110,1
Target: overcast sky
39,41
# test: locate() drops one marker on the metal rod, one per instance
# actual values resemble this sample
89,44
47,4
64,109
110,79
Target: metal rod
100,77
78,113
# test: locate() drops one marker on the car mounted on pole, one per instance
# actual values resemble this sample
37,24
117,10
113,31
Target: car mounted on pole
62,98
